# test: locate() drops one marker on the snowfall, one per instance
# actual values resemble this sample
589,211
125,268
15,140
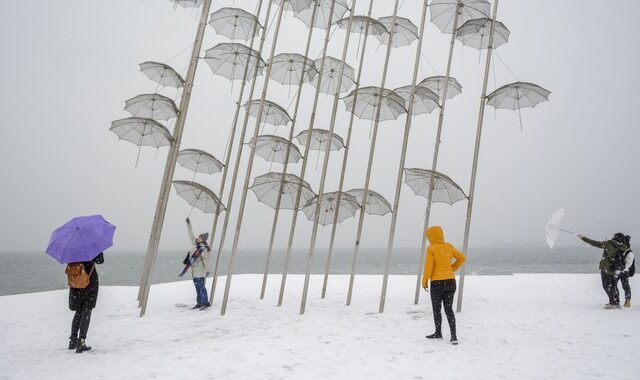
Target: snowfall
520,326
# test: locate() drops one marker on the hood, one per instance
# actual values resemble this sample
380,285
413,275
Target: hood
435,235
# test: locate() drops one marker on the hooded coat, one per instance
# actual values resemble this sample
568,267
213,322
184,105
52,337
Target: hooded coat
612,259
438,265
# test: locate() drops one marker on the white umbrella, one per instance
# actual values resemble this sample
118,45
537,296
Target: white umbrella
552,229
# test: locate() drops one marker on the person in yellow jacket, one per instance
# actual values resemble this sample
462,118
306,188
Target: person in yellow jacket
438,270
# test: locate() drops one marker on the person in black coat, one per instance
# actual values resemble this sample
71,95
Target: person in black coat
82,301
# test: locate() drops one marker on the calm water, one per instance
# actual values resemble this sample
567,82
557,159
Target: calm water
34,271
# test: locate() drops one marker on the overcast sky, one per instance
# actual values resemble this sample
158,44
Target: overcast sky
68,67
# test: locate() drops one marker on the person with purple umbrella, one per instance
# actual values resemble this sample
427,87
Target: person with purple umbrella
80,243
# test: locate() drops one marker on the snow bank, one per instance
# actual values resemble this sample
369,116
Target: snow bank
523,326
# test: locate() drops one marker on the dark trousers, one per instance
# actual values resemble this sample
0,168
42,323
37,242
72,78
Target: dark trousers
442,292
80,323
610,286
624,280
201,291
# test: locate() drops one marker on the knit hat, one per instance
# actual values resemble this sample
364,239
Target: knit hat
204,236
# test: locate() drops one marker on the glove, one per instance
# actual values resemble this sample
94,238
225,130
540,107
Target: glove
579,236
187,220
426,288
617,273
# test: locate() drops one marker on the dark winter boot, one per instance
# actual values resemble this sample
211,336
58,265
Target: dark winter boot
454,340
197,307
72,343
434,336
82,347
205,306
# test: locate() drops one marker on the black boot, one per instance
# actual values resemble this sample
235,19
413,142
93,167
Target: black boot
454,340
81,346
435,335
72,343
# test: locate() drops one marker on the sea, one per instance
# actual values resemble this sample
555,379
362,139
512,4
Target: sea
27,272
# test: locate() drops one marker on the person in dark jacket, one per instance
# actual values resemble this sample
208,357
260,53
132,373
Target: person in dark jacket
611,265
82,301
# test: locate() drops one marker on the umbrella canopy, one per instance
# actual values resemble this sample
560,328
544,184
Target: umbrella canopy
323,13
199,196
151,106
331,76
444,189
235,23
288,69
475,33
267,186
404,32
199,161
162,74
376,203
348,208
424,100
274,149
518,95
443,12
81,239
295,6
142,132
551,230
370,98
320,138
230,60
359,25
436,84
271,112
189,3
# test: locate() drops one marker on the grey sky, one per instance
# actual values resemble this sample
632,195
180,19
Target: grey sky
68,66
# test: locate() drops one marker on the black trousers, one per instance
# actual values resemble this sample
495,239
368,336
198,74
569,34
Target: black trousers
624,280
610,286
80,323
442,292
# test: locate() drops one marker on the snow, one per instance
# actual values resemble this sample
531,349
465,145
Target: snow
521,326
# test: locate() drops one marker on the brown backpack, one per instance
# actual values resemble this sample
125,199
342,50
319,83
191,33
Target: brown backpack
77,276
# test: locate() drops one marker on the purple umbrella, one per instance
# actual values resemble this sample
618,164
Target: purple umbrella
81,239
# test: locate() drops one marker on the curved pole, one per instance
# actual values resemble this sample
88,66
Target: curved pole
243,132
345,156
305,160
252,155
170,166
372,149
403,156
325,163
476,152
436,151
227,159
276,214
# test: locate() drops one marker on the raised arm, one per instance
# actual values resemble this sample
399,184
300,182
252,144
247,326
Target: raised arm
595,243
192,237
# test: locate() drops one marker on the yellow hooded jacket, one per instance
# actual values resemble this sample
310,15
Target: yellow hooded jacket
439,256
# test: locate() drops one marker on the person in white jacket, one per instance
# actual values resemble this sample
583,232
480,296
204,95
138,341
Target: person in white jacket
199,266
624,276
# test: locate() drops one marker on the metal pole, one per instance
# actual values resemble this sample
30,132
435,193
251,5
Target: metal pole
170,166
372,149
247,177
325,164
274,224
436,151
227,159
403,156
305,156
345,156
243,133
476,152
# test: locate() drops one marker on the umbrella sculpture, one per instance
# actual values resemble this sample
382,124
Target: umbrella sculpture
376,203
445,190
269,113
231,59
320,138
267,188
151,106
142,132
363,25
369,99
292,69
235,23
325,13
475,33
424,100
162,74
517,96
189,3
81,239
329,210
198,196
448,15
199,161
437,85
405,32
275,149
294,6
331,77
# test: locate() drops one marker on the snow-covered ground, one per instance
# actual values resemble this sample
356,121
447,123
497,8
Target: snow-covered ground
523,326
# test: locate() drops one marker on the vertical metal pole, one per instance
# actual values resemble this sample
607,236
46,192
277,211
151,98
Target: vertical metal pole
436,151
325,164
345,156
243,133
305,160
476,152
276,214
170,166
403,156
227,159
372,150
247,177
